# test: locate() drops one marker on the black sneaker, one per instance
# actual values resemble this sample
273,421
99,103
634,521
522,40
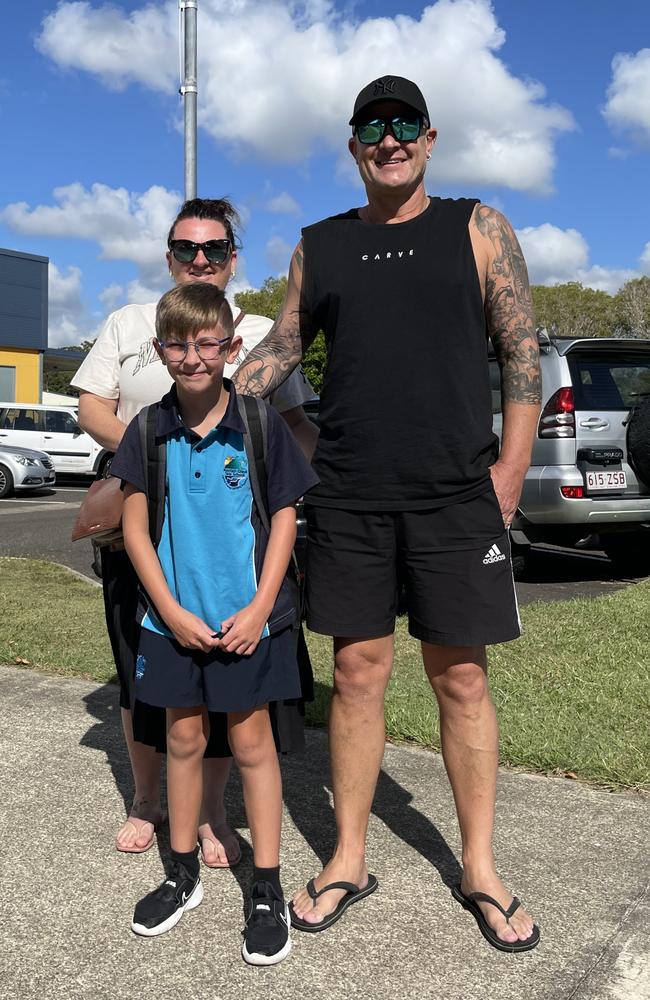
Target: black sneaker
161,909
266,934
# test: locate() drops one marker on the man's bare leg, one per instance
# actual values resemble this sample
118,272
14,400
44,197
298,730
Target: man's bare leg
136,834
362,669
470,748
219,845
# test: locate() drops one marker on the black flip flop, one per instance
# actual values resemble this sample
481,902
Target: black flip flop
470,903
354,894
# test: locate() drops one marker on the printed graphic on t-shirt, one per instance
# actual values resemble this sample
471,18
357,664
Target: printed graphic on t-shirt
235,471
146,356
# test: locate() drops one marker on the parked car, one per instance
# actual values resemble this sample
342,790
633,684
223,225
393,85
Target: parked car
590,470
54,430
24,469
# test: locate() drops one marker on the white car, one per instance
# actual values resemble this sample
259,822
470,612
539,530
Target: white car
24,469
54,430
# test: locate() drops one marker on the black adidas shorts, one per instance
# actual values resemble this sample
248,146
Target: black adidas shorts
454,563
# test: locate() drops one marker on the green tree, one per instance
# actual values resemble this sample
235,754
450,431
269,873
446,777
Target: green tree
571,310
632,307
267,301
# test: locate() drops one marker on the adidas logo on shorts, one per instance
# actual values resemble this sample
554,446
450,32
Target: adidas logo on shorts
493,556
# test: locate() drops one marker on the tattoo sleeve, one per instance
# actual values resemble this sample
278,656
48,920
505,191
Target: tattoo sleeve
509,309
275,357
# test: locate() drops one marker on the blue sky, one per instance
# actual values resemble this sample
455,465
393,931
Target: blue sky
543,110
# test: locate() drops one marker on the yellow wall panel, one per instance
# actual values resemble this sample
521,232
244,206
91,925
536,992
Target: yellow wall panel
28,373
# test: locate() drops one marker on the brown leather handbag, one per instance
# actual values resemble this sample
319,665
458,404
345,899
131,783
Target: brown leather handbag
100,515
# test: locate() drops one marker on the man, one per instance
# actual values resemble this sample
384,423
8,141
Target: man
413,489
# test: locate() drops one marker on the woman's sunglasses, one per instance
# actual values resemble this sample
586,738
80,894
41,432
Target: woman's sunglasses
214,251
403,128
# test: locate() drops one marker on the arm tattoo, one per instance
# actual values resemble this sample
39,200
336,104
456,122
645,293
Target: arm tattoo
509,309
274,358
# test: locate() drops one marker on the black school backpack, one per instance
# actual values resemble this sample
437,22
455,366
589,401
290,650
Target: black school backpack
255,417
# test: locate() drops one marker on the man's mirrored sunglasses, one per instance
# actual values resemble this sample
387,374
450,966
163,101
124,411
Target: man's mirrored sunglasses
215,251
207,350
404,128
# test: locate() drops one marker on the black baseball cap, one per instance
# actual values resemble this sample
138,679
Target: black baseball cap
394,88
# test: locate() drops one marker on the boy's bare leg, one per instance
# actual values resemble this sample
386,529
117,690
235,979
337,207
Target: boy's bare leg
470,748
136,834
187,730
219,844
251,740
362,670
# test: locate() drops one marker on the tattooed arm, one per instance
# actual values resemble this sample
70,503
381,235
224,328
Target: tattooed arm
511,327
275,357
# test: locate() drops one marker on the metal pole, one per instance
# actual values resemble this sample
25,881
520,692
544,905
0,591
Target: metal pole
189,91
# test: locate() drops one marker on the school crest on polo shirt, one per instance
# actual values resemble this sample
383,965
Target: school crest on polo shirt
235,471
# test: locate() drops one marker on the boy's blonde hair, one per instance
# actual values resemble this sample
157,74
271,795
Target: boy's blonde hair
190,308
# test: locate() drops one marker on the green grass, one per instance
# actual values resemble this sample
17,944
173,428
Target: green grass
573,695
53,620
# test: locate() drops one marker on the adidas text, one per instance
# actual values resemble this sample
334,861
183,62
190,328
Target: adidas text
493,556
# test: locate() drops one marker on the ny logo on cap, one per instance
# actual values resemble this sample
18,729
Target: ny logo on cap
385,86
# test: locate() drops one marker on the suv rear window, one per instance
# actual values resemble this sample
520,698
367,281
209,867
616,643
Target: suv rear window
609,381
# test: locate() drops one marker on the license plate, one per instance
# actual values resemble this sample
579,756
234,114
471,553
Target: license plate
606,479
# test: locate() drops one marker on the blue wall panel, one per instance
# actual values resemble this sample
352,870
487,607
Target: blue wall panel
23,300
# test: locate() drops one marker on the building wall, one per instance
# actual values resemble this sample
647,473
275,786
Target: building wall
28,371
23,324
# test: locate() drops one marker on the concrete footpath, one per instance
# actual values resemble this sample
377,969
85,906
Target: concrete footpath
578,858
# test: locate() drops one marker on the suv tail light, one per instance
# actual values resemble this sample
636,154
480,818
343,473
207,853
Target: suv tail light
557,419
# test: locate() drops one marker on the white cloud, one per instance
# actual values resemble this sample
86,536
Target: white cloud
555,256
278,254
283,204
494,128
628,95
118,47
644,260
606,279
126,225
68,321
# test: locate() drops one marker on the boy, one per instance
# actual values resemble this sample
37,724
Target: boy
217,631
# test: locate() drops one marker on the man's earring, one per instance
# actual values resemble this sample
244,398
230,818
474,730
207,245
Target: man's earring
428,156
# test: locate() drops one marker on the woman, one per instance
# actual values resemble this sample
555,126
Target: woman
121,374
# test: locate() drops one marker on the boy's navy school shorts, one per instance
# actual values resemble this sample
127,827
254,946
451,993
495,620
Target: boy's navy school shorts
453,563
170,676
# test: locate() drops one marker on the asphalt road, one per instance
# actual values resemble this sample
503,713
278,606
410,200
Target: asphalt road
39,525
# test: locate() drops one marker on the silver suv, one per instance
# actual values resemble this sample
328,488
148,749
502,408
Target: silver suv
590,470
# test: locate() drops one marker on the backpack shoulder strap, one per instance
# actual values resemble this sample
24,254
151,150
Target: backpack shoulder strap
254,414
154,457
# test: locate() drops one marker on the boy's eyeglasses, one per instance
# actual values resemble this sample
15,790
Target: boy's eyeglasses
215,251
206,350
402,127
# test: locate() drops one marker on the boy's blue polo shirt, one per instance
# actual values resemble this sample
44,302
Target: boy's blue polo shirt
207,545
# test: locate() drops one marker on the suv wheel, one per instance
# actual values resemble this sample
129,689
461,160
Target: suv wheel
6,481
519,555
629,552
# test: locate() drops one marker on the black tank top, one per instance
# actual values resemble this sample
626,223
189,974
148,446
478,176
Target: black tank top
405,411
